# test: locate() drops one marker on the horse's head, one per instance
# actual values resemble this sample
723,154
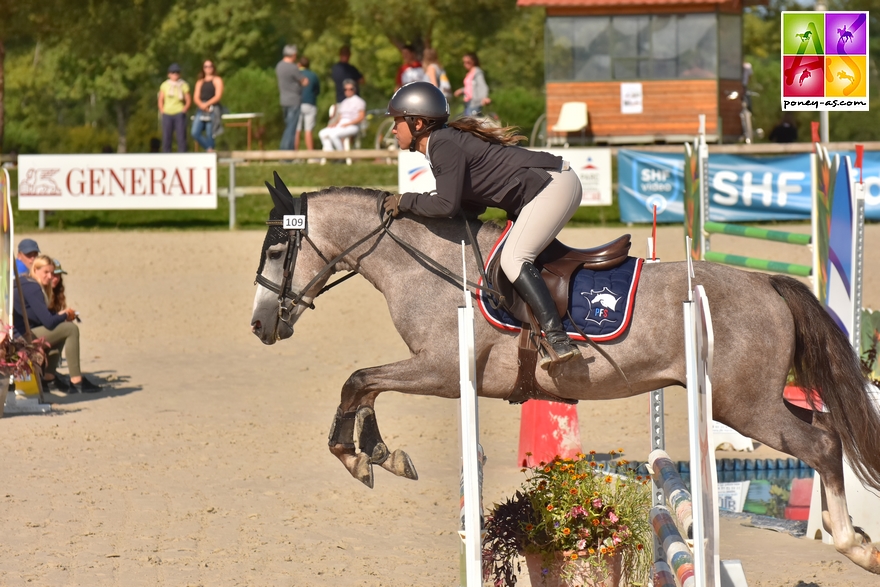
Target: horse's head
283,273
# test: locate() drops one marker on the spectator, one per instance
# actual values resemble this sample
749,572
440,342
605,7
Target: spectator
290,87
435,73
57,329
309,114
410,70
207,95
28,249
57,299
475,90
346,119
174,101
343,70
786,131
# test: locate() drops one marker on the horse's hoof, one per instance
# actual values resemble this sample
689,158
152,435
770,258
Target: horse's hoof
401,465
380,454
363,470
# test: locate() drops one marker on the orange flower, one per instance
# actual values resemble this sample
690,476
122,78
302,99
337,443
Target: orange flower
592,551
592,452
549,507
528,454
639,546
595,521
581,455
603,550
566,531
546,469
573,491
620,450
529,527
593,464
574,556
609,479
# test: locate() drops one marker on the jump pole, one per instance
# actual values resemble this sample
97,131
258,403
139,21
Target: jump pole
471,452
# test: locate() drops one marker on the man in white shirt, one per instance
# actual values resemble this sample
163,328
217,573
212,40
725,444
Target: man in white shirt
346,121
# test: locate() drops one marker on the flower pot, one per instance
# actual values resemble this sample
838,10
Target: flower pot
585,575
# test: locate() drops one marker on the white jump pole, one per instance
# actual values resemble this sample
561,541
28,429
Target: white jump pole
470,436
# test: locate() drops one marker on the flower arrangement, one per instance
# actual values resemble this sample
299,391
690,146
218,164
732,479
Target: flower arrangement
580,512
16,352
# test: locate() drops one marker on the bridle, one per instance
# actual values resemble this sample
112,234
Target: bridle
295,237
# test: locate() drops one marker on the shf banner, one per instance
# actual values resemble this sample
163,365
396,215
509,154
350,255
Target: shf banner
750,189
593,167
825,61
117,182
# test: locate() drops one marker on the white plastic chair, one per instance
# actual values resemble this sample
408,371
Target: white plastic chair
572,118
347,141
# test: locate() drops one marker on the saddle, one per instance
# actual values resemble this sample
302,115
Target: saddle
558,263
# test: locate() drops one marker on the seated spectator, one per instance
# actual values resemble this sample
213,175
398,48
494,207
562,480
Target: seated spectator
28,249
786,131
57,329
346,120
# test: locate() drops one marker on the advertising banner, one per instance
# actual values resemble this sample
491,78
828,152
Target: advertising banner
824,61
118,181
593,167
741,189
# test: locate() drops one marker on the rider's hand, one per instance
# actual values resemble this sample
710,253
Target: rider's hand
392,204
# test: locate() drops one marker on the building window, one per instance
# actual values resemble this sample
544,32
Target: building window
599,48
730,46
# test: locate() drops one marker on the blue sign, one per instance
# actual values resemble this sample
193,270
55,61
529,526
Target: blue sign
741,189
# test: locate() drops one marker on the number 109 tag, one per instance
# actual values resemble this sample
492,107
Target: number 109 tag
294,222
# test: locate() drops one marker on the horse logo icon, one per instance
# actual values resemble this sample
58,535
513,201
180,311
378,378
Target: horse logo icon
844,35
602,304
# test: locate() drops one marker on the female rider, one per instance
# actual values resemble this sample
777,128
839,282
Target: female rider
476,165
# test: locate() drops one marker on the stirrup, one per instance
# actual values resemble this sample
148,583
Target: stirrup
558,353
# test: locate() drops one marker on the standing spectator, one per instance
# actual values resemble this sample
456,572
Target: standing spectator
786,131
346,120
410,70
475,90
28,249
309,114
343,70
207,95
174,101
290,86
435,73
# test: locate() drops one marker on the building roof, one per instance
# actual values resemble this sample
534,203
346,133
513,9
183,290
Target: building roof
619,3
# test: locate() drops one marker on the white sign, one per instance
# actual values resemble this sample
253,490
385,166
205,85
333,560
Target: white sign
118,181
732,496
631,98
593,166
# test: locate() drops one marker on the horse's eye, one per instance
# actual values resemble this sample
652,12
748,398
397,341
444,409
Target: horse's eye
275,255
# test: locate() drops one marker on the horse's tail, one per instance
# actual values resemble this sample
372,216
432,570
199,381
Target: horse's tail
825,361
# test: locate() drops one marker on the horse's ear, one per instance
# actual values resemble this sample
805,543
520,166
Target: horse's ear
281,197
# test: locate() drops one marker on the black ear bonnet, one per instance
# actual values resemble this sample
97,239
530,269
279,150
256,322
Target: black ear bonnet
285,203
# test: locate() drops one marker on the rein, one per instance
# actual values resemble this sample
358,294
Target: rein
296,236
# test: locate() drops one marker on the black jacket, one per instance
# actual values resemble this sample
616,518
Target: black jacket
37,310
474,173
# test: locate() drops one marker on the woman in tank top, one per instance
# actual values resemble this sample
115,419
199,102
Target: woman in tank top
207,93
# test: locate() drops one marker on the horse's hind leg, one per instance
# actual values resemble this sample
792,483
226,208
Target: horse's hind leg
771,422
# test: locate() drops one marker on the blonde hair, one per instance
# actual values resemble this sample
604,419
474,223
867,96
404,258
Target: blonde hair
41,261
429,56
487,130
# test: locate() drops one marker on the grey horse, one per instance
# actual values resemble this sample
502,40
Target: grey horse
765,327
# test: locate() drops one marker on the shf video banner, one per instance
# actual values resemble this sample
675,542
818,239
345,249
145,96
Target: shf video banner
740,188
117,182
824,61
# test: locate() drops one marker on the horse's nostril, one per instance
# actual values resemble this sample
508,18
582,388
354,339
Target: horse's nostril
256,326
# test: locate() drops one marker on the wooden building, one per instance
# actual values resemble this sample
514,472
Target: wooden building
676,59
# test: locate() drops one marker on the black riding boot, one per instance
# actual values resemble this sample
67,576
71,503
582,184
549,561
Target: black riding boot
530,285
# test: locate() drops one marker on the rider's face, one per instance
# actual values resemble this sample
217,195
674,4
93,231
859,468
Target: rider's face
402,132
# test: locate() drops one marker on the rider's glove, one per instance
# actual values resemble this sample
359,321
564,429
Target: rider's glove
392,204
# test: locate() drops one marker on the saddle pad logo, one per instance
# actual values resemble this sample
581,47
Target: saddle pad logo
603,306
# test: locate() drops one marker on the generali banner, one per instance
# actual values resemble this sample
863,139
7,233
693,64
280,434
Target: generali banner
118,181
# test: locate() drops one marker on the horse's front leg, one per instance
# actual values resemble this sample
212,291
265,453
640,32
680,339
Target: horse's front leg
354,436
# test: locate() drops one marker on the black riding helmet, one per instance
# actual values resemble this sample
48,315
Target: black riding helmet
419,100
